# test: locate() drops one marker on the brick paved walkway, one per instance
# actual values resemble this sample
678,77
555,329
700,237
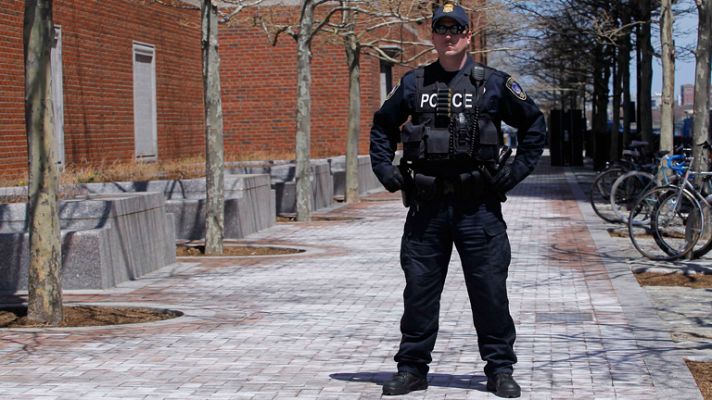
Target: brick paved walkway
324,324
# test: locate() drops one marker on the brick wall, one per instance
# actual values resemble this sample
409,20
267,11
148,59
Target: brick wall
258,84
259,95
97,46
13,141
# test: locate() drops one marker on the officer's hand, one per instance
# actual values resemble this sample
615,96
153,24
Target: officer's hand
392,179
504,180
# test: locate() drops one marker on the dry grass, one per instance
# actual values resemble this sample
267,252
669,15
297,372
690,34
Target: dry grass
236,156
186,168
117,171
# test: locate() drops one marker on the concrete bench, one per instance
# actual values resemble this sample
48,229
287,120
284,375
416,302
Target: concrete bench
106,239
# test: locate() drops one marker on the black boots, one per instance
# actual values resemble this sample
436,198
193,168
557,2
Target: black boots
503,385
404,382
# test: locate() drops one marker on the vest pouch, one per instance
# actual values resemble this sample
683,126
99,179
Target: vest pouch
426,187
437,143
489,134
412,138
489,139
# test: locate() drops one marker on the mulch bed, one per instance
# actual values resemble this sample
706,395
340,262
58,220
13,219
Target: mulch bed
237,251
702,372
76,316
292,218
674,279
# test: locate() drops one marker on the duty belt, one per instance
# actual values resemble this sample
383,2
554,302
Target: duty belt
464,186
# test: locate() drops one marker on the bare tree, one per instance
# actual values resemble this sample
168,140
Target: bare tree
668,59
303,32
700,132
214,148
303,172
597,33
353,56
44,283
568,46
210,17
368,26
620,37
644,70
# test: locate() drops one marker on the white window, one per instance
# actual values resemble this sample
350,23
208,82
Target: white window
145,123
57,95
386,79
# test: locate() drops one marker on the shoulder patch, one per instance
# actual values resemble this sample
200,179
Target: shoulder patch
516,90
393,90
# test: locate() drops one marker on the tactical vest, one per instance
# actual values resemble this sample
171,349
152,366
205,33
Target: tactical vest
450,124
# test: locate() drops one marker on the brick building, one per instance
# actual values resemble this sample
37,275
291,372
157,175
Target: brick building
130,79
687,95
132,87
259,89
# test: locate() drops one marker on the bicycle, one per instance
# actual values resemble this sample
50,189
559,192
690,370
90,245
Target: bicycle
600,194
672,221
628,187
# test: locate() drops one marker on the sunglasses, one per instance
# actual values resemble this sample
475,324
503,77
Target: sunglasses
451,29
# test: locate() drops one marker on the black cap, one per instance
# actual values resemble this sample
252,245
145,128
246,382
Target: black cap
451,10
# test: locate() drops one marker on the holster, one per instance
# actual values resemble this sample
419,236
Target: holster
408,189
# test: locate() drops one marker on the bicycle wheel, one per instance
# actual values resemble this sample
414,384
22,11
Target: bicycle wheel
600,196
626,189
665,223
704,242
677,222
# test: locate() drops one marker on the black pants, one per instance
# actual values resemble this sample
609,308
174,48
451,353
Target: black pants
479,234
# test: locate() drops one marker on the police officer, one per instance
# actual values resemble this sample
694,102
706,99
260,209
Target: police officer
454,179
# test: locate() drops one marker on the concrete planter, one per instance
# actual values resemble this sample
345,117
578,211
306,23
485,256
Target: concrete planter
106,239
328,180
367,181
283,182
249,203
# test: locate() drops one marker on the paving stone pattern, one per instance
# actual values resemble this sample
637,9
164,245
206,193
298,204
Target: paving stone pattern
324,324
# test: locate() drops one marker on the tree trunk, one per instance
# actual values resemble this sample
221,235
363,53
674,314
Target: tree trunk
44,280
700,131
352,59
668,59
214,160
303,173
600,99
637,84
645,73
616,103
624,70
